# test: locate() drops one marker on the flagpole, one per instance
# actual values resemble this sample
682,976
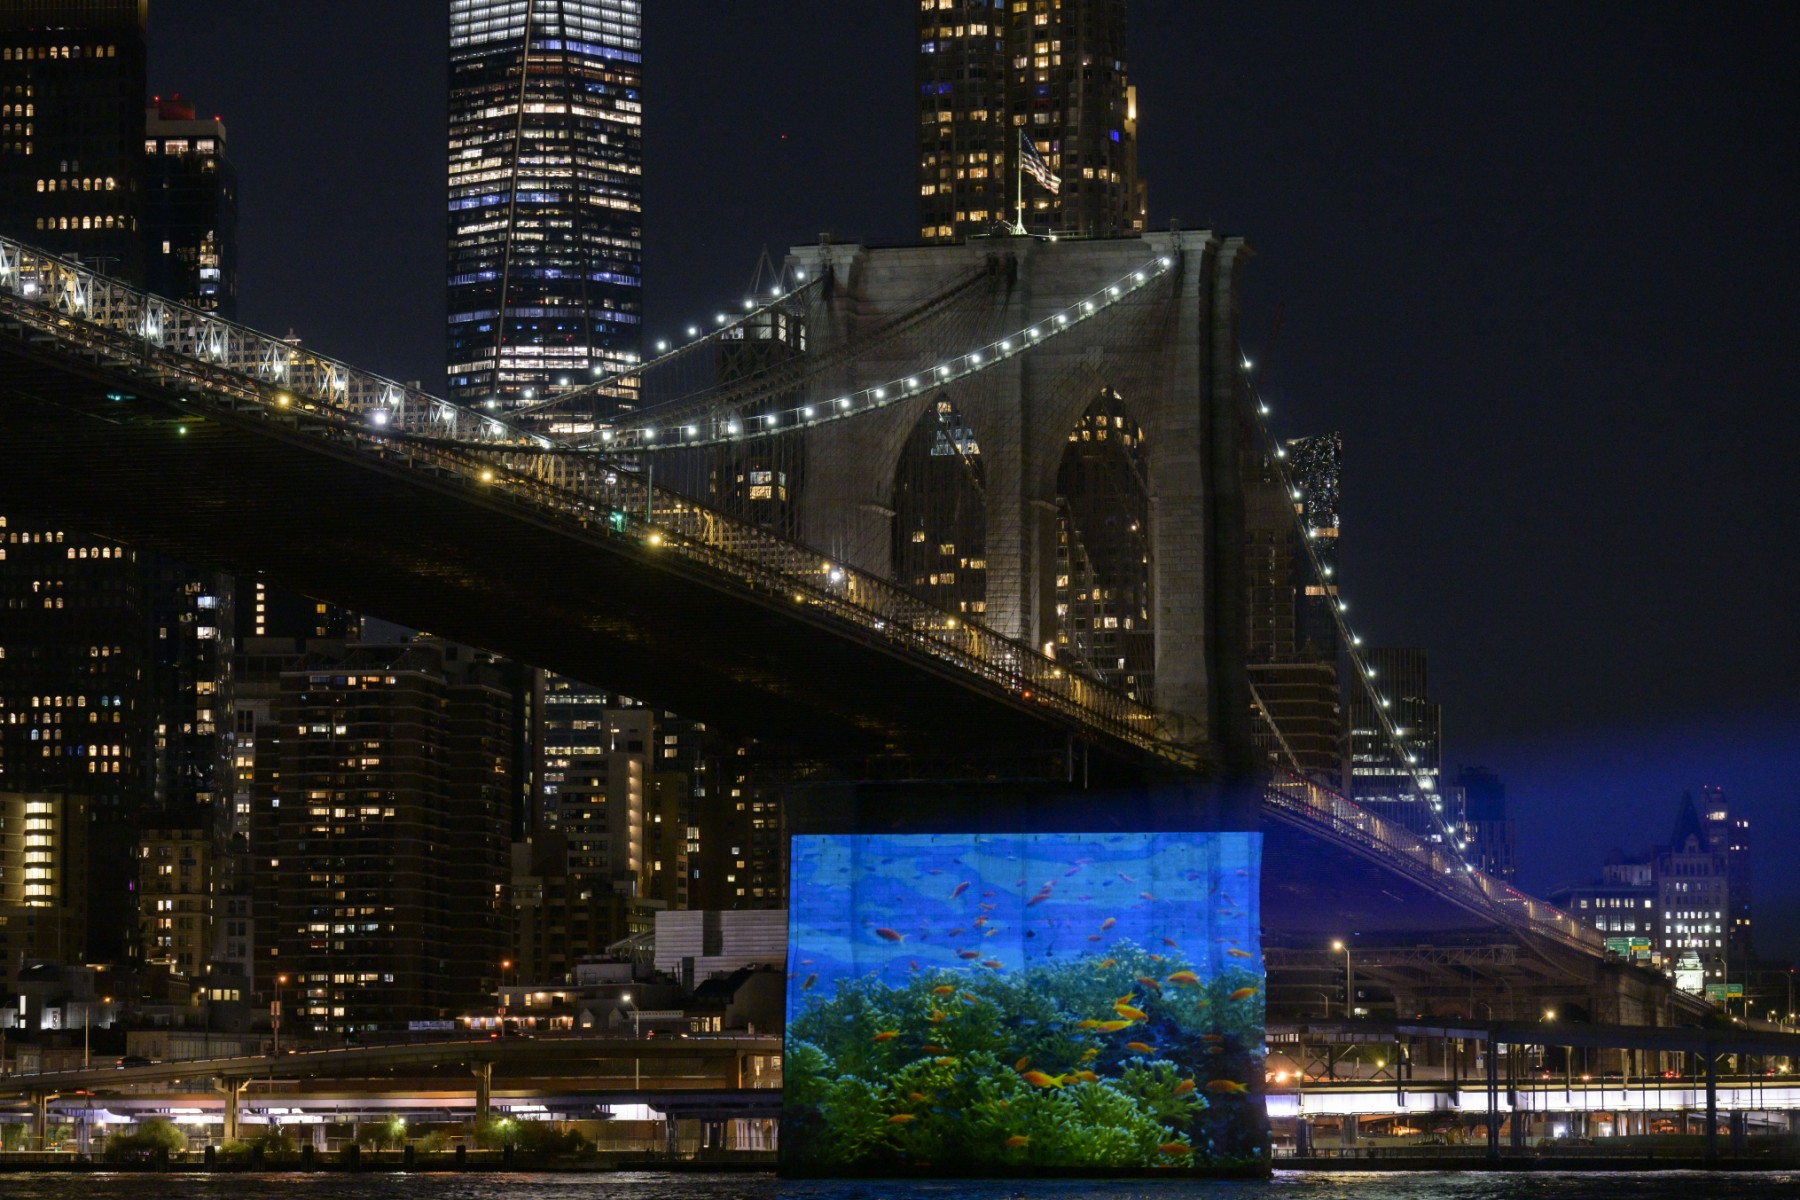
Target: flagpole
1019,184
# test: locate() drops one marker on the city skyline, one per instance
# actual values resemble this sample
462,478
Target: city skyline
1705,713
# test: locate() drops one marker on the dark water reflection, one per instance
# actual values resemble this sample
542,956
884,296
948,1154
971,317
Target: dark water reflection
1671,1185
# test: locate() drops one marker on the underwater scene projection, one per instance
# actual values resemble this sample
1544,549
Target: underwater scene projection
1024,1001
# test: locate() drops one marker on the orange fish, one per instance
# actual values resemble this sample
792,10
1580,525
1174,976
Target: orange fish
1227,1087
1037,899
901,1118
990,933
890,935
887,1035
992,964
919,1097
1149,983
1236,953
912,963
1022,1063
1145,896
1171,943
1087,1077
931,1049
1108,962
1140,1047
943,989
1126,878
1130,1013
959,890
1093,937
1175,1149
1088,1024
1113,1026
956,933
937,1018
1184,1087
1108,924
1126,998
1242,994
1018,1141
944,1062
968,954
1090,1054
969,999
1184,979
980,921
1212,1037
1039,1079
810,980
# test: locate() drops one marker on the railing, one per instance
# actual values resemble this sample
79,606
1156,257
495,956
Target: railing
240,373
1433,866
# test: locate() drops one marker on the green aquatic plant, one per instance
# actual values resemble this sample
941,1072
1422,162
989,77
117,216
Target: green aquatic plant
1102,1060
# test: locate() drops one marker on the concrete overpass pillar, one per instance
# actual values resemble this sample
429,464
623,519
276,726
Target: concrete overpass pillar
40,1120
484,1090
1493,1102
234,1094
1712,1106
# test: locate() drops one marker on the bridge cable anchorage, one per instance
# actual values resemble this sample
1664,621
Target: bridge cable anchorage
239,376
652,432
1404,757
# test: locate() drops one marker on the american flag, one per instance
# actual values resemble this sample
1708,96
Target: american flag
1036,167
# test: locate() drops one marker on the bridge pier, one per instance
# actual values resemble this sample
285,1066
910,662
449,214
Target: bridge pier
40,1120
484,1090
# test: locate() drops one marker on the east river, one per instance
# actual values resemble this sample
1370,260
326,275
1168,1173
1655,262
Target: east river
1285,1185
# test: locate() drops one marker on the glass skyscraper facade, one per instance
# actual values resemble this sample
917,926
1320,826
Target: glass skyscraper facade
545,203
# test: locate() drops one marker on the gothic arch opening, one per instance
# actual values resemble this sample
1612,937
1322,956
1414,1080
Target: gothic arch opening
940,513
1103,604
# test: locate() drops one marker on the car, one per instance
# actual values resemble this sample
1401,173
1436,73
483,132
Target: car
134,1060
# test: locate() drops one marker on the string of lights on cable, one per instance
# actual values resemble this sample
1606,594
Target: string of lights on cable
1405,755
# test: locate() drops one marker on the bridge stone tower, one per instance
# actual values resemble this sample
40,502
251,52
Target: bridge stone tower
1164,366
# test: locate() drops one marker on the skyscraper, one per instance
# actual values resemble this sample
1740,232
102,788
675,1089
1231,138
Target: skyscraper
190,208
1730,836
1053,71
71,129
379,834
1406,792
545,202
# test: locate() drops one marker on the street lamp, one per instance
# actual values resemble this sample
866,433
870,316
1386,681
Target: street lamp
1349,980
505,966
275,1011
637,1028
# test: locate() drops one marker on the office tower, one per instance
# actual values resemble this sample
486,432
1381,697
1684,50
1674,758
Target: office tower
43,879
1731,836
1381,778
1053,71
1493,838
267,611
1315,466
379,835
175,905
1693,883
190,208
545,201
1294,686
72,127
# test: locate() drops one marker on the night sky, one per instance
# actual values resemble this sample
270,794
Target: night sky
1538,264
